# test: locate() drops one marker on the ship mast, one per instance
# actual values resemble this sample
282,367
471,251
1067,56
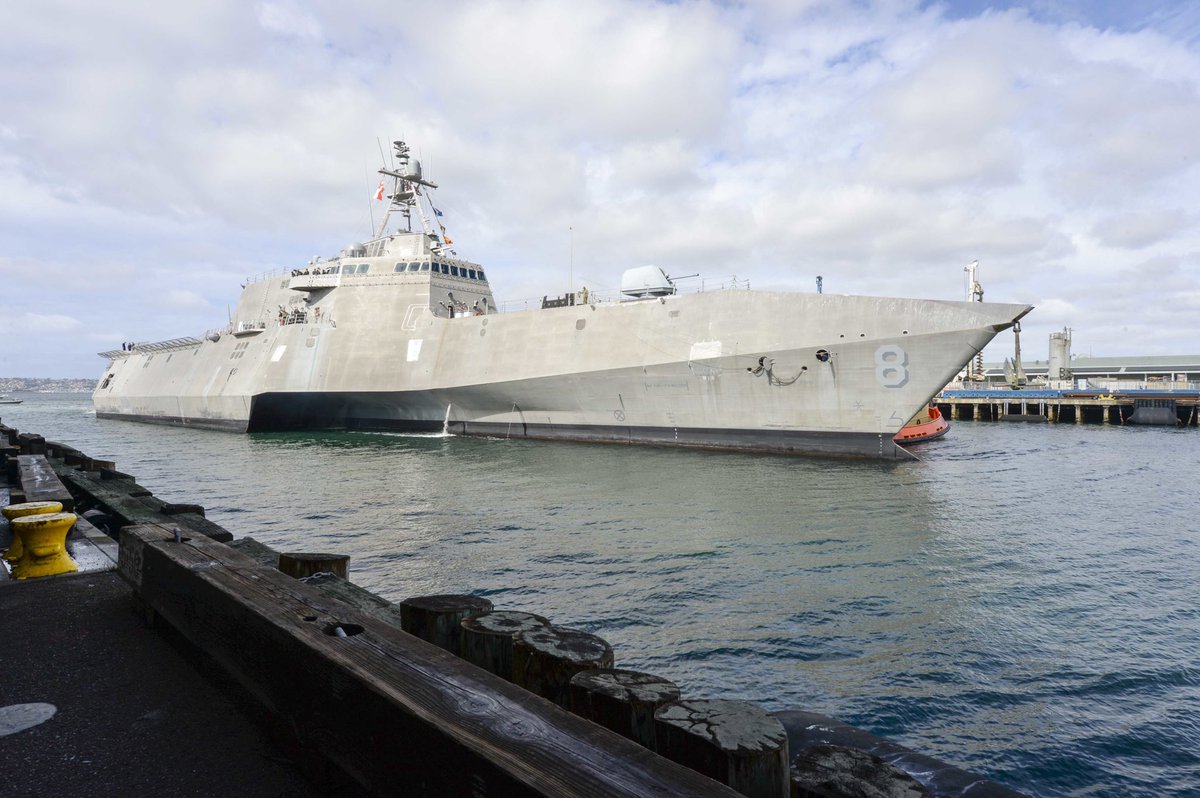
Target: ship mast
974,294
406,188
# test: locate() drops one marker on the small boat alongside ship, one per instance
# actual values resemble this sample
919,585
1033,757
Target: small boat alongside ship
927,425
5,399
400,333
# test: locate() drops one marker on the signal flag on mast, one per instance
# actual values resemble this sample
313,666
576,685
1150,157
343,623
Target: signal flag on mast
379,191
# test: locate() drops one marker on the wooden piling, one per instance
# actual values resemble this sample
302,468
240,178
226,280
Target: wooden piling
447,728
181,509
545,659
301,564
487,639
621,700
31,444
438,619
734,742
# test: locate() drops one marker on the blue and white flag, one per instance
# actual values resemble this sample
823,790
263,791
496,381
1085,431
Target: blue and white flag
435,210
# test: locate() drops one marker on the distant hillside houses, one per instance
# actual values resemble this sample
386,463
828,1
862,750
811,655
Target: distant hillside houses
46,385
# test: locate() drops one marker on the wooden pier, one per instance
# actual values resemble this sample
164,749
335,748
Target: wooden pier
1073,407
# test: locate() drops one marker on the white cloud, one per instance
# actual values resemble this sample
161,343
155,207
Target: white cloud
181,300
47,323
287,20
1140,230
153,157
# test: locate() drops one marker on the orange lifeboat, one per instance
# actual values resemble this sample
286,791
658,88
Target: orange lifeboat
926,425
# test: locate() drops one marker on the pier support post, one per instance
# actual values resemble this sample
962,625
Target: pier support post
438,619
301,564
734,742
31,443
623,701
487,639
1078,413
545,659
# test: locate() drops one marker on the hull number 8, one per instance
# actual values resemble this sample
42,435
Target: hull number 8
891,366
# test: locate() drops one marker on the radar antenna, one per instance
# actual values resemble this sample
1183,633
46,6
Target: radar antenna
405,196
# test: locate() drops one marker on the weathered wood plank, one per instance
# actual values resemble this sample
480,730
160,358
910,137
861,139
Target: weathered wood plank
7,451
129,503
181,509
40,483
399,714
329,585
261,553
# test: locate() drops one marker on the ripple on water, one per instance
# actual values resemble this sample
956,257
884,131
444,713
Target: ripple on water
1020,602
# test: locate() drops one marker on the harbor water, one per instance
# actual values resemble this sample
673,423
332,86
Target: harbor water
1023,602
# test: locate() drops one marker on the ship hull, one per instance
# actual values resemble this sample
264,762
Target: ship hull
847,444
738,370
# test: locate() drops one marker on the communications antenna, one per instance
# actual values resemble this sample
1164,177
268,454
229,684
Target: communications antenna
974,294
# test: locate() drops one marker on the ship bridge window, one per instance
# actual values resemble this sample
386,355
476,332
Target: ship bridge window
414,266
363,268
453,271
444,267
399,267
424,267
472,273
480,273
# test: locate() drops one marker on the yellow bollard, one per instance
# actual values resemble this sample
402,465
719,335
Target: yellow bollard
45,538
14,552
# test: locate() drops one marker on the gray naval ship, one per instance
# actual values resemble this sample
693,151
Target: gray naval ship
401,334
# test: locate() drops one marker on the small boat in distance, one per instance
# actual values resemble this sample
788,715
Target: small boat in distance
5,399
927,425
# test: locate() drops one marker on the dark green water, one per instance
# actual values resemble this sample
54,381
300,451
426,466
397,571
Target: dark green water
1024,602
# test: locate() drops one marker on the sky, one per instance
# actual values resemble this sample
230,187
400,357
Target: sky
153,156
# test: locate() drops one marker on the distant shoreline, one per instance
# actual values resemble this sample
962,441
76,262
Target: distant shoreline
46,385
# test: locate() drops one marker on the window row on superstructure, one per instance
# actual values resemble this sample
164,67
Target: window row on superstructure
444,268
438,267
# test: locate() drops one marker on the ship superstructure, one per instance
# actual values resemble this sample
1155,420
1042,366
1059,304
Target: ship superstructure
400,333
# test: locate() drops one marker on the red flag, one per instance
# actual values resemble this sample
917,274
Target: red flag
379,191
